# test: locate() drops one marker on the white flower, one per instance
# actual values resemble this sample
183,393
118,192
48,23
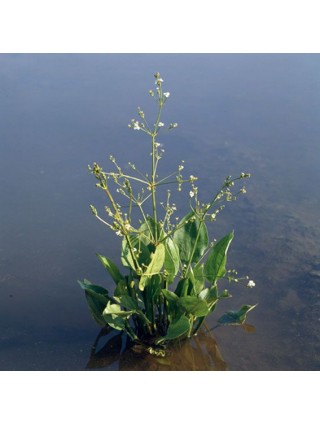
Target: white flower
191,194
251,284
136,125
166,94
160,124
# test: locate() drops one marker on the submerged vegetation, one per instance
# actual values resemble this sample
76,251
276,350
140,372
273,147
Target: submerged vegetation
173,270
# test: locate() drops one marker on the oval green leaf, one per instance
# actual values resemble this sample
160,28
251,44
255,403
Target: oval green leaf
155,266
142,253
111,268
177,329
194,305
215,266
191,238
236,317
172,259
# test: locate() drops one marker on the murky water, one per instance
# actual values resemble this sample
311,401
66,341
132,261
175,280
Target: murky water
255,113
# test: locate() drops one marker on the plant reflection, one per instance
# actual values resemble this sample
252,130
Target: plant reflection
199,353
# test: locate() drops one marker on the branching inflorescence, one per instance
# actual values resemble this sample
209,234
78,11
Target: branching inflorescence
172,269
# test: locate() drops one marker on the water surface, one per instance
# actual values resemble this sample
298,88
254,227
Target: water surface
255,113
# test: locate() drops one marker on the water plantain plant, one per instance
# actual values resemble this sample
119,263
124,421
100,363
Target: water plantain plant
172,270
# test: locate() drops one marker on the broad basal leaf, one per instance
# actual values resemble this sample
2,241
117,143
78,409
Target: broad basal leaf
172,259
177,329
132,305
215,266
121,288
115,317
98,292
141,252
210,295
155,266
184,287
128,302
199,279
194,305
111,268
97,298
96,308
170,296
191,238
236,317
174,311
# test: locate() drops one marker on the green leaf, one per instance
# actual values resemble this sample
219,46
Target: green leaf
154,287
97,298
121,289
191,238
128,302
115,310
174,311
204,293
142,252
96,308
194,305
184,287
215,266
236,317
170,296
210,295
148,230
111,268
172,259
115,317
155,266
132,305
98,292
177,329
199,279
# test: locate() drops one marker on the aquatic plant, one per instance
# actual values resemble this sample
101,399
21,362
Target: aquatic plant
172,269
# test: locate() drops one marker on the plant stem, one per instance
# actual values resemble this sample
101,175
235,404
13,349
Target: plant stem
154,167
128,177
153,187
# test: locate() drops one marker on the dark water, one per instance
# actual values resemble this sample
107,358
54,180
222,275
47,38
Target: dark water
255,113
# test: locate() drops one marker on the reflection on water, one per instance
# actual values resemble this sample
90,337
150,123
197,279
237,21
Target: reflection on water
199,353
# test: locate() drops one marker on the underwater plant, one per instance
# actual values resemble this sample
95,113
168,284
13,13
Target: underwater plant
172,269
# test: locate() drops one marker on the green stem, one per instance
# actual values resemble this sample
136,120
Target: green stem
198,325
154,167
153,188
128,177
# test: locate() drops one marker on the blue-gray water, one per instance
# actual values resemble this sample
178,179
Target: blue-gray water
252,113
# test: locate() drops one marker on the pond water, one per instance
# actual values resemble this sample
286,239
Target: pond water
246,112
